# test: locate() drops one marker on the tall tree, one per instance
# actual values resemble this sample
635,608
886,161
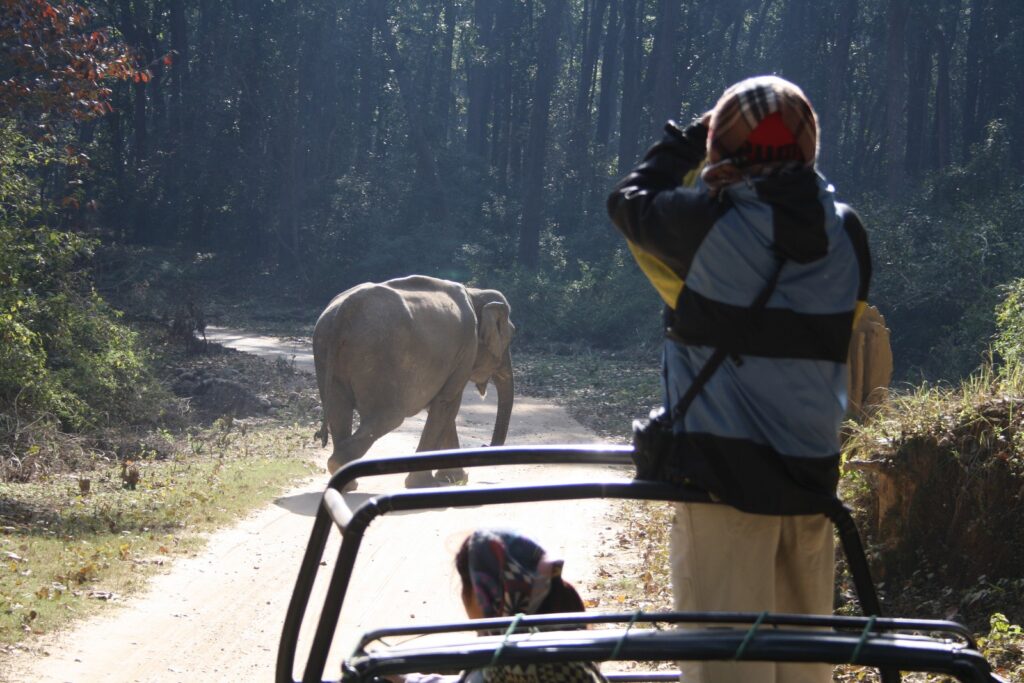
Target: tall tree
976,37
426,164
609,74
835,93
660,80
919,87
536,146
896,95
631,105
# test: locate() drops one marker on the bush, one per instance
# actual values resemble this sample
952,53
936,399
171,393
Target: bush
1009,338
63,352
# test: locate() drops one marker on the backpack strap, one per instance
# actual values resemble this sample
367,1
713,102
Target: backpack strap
720,354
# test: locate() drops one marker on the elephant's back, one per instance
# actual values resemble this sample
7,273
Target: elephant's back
410,326
369,311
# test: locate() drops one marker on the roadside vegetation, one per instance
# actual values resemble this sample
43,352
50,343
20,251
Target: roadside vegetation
85,518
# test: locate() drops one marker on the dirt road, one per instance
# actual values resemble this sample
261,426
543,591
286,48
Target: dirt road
217,616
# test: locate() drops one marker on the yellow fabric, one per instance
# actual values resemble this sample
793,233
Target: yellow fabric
858,309
666,281
668,284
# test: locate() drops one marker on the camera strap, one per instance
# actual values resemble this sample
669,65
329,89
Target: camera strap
720,354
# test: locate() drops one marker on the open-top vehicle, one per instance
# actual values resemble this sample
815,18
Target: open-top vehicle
889,644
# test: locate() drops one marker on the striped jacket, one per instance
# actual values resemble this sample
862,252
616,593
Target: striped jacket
763,434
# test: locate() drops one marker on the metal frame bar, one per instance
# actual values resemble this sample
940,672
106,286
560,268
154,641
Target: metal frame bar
355,523
787,645
548,622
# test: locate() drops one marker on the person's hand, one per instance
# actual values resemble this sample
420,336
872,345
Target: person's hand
673,130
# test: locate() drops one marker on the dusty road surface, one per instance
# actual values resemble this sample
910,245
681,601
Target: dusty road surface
217,616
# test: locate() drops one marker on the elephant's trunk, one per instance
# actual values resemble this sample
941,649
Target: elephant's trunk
505,385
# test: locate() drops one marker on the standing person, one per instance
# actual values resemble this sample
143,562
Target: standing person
763,273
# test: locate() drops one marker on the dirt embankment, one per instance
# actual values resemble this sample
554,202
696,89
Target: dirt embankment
943,509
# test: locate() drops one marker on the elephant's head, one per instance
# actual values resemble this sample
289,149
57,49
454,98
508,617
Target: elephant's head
493,359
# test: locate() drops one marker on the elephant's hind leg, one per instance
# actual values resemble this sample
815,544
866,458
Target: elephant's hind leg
371,428
338,408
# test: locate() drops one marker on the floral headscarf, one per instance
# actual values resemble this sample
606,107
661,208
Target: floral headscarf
509,572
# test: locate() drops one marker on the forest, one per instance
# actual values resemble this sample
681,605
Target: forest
169,158
316,144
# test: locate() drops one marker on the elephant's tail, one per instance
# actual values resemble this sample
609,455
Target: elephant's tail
323,432
320,363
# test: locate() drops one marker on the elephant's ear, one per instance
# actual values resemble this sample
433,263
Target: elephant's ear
495,328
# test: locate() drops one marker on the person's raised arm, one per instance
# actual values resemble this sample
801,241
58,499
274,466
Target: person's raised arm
652,208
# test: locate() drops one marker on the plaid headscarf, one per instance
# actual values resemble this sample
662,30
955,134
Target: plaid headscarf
757,126
510,573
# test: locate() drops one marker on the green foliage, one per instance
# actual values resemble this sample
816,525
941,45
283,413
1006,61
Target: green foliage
1004,647
940,257
63,352
1009,339
604,302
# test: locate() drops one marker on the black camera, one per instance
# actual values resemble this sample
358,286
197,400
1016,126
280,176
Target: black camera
652,446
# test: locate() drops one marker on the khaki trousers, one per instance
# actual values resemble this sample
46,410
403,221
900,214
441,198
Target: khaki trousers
724,560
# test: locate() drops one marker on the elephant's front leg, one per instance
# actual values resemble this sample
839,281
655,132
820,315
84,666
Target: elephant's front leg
438,431
450,441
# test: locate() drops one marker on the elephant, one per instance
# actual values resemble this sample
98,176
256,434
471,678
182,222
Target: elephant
389,350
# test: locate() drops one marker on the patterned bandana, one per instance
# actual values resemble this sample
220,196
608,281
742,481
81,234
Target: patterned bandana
510,573
558,672
757,126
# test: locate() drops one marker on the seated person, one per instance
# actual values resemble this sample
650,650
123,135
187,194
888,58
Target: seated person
503,574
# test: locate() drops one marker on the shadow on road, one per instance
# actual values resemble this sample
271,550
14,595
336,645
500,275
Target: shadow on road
306,503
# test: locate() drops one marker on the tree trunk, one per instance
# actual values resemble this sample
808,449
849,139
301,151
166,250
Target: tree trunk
588,63
661,80
501,123
426,165
755,33
536,144
521,33
629,118
580,166
369,86
918,87
609,75
972,76
443,100
729,70
1017,117
896,96
835,93
479,81
941,151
